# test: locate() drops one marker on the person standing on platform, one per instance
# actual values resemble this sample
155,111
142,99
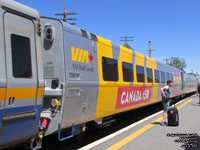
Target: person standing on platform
166,100
198,90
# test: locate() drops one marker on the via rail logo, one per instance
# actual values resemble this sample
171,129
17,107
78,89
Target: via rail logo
81,55
129,96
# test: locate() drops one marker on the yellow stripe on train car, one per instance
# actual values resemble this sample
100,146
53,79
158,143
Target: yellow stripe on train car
151,63
21,93
2,94
125,55
107,94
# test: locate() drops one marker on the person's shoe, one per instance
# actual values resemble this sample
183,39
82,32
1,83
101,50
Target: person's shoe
163,123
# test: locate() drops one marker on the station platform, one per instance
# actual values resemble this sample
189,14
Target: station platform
149,134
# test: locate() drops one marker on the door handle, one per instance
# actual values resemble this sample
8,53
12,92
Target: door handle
11,101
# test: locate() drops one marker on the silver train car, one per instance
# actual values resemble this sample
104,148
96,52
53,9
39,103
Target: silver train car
21,73
54,76
89,78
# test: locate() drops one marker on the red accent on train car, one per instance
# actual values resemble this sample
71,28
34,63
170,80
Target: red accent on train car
177,72
91,57
129,96
177,93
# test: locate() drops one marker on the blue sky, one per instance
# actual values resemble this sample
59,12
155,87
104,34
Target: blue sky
173,26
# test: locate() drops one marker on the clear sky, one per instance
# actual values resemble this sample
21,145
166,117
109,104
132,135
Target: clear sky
173,26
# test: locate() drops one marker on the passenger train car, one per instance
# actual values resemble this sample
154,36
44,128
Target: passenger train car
21,73
90,78
63,77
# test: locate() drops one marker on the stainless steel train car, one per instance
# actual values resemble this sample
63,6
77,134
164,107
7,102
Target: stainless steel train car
21,73
57,76
189,83
89,78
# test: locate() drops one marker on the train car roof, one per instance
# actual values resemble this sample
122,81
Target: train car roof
19,8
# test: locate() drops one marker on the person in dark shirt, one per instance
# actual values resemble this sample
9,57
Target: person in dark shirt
198,91
165,93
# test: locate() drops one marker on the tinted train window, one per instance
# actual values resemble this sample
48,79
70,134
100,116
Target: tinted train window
157,76
110,69
167,76
162,77
171,77
140,73
149,75
21,56
127,72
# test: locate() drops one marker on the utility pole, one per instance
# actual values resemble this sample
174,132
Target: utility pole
150,50
65,14
126,39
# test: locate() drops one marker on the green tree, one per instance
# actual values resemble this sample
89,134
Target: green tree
176,62
128,46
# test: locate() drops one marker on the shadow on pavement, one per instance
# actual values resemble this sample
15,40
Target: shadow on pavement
157,123
194,104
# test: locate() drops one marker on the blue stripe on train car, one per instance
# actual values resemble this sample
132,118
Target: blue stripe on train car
15,110
38,111
20,129
1,118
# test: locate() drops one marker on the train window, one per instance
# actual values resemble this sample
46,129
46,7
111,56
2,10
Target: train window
171,77
162,77
110,69
127,72
140,73
21,56
149,75
157,76
167,75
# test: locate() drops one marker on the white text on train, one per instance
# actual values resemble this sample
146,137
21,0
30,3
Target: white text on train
134,96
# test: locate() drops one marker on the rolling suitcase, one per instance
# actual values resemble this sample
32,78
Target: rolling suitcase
173,117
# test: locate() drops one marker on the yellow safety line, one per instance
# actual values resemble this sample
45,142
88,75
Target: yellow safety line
139,132
184,104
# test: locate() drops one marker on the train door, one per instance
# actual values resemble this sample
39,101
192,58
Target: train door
19,108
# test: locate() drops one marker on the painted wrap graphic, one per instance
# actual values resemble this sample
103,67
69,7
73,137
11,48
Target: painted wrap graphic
129,96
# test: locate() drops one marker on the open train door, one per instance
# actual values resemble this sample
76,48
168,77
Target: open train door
21,91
